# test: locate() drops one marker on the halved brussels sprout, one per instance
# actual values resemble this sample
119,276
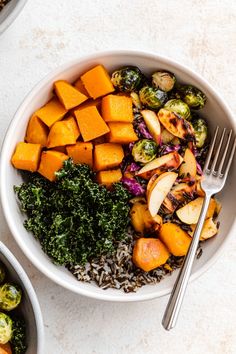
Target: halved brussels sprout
179,107
163,80
127,79
144,151
191,95
5,328
10,296
2,272
201,131
152,97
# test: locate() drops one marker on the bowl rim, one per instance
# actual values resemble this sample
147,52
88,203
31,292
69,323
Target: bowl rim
12,15
30,292
4,200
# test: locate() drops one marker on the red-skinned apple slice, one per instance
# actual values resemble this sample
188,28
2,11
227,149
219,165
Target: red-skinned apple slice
161,164
159,190
153,124
189,165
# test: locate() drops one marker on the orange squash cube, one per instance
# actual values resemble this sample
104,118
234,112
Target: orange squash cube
107,178
107,156
90,103
63,133
121,133
81,153
51,162
37,132
117,108
90,123
68,95
97,82
26,156
52,112
80,86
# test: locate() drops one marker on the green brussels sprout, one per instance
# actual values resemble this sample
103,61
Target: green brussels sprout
163,80
144,151
10,296
2,272
191,95
152,97
201,131
5,328
179,107
127,79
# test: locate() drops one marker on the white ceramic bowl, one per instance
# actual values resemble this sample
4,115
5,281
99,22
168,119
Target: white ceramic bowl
215,111
10,12
29,307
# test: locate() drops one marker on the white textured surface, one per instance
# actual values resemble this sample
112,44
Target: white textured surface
198,33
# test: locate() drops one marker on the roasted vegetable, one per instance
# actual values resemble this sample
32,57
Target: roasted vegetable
108,178
117,108
68,95
107,156
10,296
141,219
5,328
149,253
191,95
51,162
26,156
127,79
179,107
121,133
81,153
63,133
144,151
51,112
163,80
176,125
5,348
18,339
152,98
37,132
176,240
201,131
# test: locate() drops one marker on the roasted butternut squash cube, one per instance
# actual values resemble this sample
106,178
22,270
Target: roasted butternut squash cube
97,82
90,123
121,133
37,132
107,178
52,112
107,156
26,156
90,103
176,239
117,109
63,133
80,86
68,95
51,162
81,153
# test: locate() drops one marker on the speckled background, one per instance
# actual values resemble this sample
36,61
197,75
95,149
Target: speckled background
199,33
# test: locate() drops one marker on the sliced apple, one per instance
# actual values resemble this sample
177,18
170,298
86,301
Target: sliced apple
159,190
189,213
209,229
177,195
189,165
153,124
166,136
200,192
176,125
161,164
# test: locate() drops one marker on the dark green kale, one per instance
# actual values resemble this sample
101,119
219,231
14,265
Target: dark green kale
75,219
18,339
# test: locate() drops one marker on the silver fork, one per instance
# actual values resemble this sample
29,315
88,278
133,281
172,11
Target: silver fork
213,181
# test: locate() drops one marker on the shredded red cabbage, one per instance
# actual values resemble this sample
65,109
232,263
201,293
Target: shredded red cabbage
133,186
134,167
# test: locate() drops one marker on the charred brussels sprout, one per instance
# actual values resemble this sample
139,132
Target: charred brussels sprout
5,328
2,272
179,107
127,79
191,95
152,97
144,151
201,131
163,80
10,296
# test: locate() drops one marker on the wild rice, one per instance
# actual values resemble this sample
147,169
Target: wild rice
118,271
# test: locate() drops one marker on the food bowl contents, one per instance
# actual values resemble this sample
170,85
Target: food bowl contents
3,4
112,169
12,325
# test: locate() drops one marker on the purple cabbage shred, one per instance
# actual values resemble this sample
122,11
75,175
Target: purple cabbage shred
132,185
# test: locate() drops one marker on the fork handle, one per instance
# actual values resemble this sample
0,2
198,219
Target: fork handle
177,295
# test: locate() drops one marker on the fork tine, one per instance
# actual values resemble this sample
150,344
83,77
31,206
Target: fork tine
217,154
230,160
225,153
208,159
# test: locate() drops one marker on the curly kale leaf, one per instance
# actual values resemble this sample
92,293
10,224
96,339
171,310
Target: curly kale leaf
75,219
18,339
